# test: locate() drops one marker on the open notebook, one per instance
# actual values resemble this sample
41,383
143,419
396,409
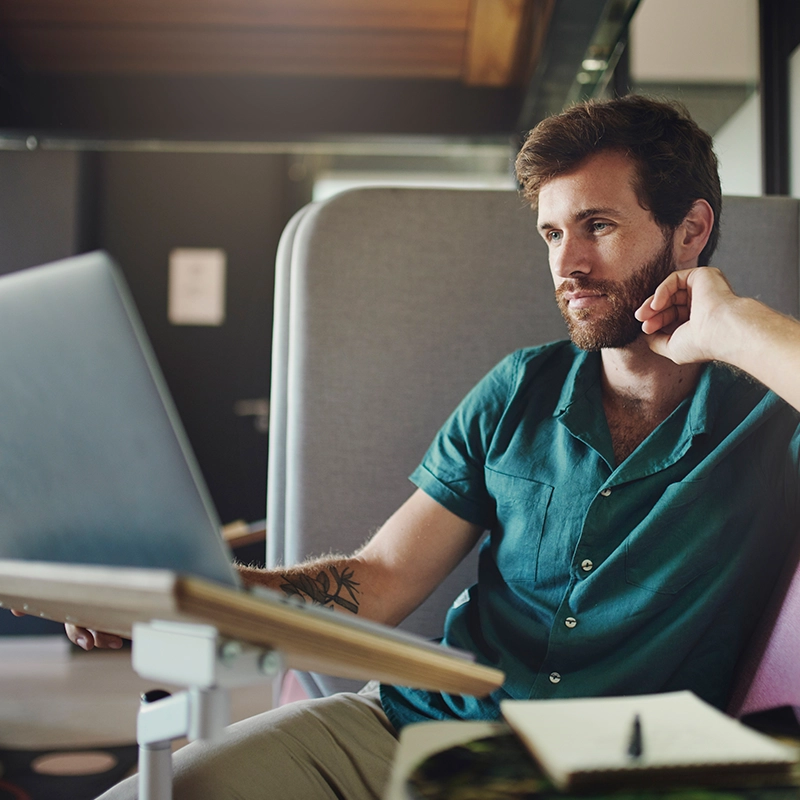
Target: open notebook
671,739
104,516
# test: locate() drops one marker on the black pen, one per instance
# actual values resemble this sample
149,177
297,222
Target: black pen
635,748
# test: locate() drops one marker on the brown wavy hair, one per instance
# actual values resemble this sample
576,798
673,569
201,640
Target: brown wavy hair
674,157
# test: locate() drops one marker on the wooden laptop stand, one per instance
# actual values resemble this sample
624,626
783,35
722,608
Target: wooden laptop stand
209,637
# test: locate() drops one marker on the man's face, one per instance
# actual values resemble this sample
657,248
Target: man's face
607,254
617,327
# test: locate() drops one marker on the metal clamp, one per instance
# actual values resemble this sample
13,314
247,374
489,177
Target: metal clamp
209,664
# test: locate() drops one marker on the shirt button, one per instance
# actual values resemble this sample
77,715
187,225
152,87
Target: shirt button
570,622
555,677
605,492
587,565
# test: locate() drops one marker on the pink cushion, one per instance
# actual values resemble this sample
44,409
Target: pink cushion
770,672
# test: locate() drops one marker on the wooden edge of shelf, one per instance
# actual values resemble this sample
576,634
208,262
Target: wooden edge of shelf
114,598
310,642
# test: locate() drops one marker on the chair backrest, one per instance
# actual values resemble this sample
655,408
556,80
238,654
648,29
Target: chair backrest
769,673
390,305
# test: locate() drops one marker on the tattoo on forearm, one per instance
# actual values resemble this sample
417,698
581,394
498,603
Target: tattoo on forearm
318,589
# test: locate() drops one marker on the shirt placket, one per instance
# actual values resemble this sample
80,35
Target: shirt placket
565,632
579,414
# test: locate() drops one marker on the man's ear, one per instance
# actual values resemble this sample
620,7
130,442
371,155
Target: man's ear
692,234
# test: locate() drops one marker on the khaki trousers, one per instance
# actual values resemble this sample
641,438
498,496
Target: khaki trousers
336,747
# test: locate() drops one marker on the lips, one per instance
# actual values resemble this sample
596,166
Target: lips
582,299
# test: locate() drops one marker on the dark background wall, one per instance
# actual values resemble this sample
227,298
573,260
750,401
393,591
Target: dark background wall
146,205
39,207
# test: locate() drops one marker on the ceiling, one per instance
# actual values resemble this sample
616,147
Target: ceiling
479,42
259,69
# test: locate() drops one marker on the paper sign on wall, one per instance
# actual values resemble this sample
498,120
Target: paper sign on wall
196,286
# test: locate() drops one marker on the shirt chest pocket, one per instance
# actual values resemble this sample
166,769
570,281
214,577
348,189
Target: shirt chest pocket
521,511
677,542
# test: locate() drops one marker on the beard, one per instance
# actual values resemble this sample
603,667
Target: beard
590,329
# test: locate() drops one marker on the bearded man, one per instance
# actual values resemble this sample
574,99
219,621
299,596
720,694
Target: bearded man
638,492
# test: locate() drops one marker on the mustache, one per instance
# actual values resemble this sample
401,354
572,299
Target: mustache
584,284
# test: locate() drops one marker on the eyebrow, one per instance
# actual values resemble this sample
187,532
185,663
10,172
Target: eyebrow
586,213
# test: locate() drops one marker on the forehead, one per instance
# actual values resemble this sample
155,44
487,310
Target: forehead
602,181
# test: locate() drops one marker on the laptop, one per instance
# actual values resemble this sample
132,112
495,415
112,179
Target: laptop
95,467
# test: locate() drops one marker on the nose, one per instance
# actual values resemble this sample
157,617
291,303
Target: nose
570,258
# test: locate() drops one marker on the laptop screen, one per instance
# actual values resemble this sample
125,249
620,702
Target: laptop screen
95,467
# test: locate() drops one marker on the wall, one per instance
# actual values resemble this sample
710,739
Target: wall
39,210
685,41
39,222
738,147
139,206
149,203
706,55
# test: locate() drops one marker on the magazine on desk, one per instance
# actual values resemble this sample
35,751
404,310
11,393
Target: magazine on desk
542,747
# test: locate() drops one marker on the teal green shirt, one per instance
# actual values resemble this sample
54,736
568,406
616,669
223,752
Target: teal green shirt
605,579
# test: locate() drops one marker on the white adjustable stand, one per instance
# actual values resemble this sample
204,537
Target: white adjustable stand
195,656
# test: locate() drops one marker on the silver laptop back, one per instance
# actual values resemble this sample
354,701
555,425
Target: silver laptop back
95,467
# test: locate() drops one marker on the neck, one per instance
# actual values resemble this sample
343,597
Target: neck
638,378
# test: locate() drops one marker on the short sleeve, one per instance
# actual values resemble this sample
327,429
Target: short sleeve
792,484
452,471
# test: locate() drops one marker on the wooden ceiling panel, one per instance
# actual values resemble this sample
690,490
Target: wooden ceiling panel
382,14
493,37
382,54
481,42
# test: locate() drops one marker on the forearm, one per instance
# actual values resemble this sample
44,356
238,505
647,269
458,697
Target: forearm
763,343
694,316
348,584
391,575
333,582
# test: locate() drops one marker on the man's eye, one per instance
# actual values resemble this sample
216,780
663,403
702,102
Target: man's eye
553,236
600,226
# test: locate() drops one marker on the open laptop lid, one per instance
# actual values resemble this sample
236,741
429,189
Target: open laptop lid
95,467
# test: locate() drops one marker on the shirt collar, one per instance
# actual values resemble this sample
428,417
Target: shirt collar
714,382
583,380
580,406
582,377
580,409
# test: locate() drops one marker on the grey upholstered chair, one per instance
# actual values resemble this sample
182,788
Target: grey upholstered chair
390,305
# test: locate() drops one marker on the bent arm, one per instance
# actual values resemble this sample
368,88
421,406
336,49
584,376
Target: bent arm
385,580
694,316
420,544
767,347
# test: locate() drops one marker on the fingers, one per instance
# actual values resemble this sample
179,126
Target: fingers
672,316
677,288
673,289
656,313
88,640
107,640
663,299
85,638
659,343
668,305
79,636
670,292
